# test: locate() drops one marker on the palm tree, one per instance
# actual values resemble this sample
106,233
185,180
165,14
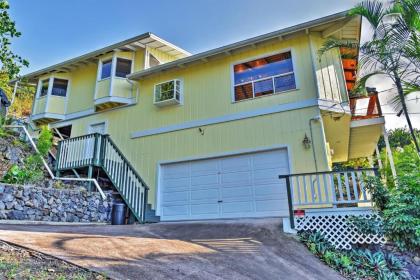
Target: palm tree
393,51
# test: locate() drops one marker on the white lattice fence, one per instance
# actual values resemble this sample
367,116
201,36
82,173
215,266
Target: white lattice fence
333,223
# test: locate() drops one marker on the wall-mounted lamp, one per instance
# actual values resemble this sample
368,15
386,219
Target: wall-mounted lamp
306,142
201,130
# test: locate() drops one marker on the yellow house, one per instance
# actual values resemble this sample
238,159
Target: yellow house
208,134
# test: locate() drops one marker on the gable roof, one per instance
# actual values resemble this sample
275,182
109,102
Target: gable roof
326,24
141,41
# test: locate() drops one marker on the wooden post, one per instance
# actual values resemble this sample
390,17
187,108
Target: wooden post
290,202
378,156
390,157
90,175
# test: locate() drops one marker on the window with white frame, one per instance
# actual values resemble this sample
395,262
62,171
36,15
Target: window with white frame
106,69
123,67
169,92
264,76
44,87
59,87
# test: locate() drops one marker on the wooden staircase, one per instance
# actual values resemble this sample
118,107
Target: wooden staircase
97,150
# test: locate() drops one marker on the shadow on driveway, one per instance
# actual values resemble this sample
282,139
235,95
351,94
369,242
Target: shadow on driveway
236,249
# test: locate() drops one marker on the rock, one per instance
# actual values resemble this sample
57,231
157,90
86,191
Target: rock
18,207
416,260
10,205
16,215
7,197
37,203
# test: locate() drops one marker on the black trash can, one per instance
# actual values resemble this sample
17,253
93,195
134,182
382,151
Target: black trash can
118,213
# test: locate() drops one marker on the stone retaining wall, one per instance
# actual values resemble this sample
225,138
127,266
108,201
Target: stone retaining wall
51,204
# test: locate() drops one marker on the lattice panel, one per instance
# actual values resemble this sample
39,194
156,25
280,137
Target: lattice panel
337,229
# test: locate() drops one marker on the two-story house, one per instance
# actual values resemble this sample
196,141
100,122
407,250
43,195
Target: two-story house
209,133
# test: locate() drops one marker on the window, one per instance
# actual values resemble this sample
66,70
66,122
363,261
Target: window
264,76
106,69
44,87
123,67
168,93
59,87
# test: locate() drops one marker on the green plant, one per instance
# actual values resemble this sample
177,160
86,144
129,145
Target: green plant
356,263
31,171
15,175
45,139
402,214
379,193
364,225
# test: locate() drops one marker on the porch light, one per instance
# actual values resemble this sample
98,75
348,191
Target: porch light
306,142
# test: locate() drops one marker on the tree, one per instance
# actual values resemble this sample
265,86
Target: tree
11,63
398,137
393,51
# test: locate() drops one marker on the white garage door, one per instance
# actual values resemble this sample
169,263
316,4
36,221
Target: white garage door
245,185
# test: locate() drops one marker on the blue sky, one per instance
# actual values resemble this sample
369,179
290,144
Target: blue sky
56,30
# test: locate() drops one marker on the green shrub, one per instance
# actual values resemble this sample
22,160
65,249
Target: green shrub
379,193
402,214
31,172
45,139
367,225
356,263
15,175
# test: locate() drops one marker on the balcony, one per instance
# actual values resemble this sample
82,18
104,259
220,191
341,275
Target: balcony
366,124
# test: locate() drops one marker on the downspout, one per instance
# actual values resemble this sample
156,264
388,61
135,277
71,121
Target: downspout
136,85
315,119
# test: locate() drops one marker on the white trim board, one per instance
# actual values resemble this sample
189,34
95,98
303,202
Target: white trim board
47,116
366,122
226,118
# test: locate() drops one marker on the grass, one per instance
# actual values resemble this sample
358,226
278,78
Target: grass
17,263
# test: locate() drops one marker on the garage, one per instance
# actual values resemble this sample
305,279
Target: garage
241,185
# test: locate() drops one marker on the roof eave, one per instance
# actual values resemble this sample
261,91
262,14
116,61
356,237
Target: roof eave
204,55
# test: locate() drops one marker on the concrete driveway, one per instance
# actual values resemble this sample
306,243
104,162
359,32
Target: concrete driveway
240,249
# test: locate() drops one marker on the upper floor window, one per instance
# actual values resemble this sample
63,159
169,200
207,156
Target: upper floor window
264,76
123,67
44,87
106,69
59,87
168,93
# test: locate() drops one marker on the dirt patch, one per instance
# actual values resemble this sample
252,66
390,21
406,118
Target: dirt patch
17,263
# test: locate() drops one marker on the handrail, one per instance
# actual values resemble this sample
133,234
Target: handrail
126,160
318,189
94,181
326,172
99,150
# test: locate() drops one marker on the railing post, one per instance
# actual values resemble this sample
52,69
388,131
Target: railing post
90,174
57,160
102,150
146,190
95,149
289,200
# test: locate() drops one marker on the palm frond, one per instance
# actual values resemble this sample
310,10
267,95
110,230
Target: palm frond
408,88
409,10
360,86
332,43
372,10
